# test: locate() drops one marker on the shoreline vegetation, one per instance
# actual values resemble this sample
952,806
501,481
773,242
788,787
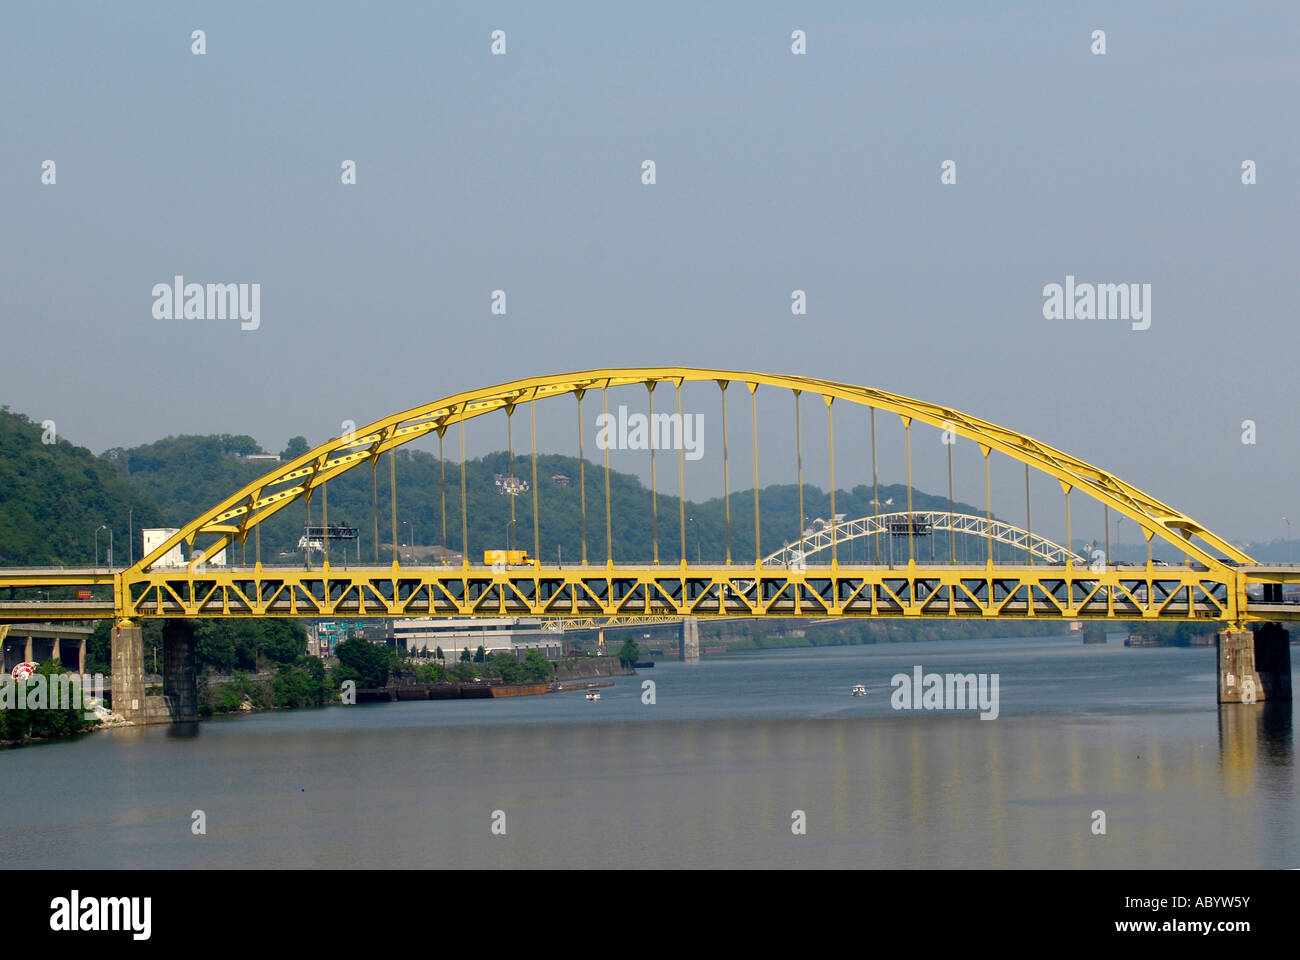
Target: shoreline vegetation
304,685
259,666
30,712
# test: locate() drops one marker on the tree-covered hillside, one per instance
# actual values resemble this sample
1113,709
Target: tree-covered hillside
54,496
189,474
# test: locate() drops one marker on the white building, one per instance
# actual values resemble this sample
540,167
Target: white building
155,537
514,635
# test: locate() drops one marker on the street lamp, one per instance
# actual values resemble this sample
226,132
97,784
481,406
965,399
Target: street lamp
1290,550
509,530
102,526
130,538
697,540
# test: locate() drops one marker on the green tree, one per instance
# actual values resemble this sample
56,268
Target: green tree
301,684
536,667
214,649
464,656
430,673
629,653
223,645
508,667
41,716
296,448
480,655
464,672
282,641
370,661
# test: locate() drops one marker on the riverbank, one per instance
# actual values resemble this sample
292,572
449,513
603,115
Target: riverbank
236,694
255,693
482,690
588,667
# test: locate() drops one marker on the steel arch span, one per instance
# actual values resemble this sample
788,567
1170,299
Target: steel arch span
931,521
1209,586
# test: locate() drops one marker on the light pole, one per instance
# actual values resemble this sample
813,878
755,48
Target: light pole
97,529
130,538
509,530
1290,550
697,540
559,555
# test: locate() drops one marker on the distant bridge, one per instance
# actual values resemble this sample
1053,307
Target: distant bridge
1214,582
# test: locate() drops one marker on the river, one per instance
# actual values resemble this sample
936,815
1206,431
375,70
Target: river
710,774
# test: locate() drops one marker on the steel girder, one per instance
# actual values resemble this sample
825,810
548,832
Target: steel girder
1051,592
235,517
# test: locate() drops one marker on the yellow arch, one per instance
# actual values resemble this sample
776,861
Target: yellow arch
237,515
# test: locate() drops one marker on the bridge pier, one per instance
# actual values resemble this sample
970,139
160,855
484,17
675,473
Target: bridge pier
180,686
1254,666
688,640
126,678
180,700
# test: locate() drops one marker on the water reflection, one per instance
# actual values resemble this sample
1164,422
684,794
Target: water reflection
1255,733
708,777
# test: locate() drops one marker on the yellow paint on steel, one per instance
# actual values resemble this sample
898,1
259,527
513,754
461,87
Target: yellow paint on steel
709,591
247,508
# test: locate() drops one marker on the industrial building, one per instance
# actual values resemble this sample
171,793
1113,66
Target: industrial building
514,635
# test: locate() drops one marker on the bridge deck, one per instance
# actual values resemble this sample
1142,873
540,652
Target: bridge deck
930,590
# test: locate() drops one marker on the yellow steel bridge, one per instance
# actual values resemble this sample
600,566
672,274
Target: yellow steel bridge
1213,581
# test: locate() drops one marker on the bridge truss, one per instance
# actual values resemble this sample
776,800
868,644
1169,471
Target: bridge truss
1051,582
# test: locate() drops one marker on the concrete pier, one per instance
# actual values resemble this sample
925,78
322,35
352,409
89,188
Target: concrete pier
179,702
126,680
688,641
1254,666
180,685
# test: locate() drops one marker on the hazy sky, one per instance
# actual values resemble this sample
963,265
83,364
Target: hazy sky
775,172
